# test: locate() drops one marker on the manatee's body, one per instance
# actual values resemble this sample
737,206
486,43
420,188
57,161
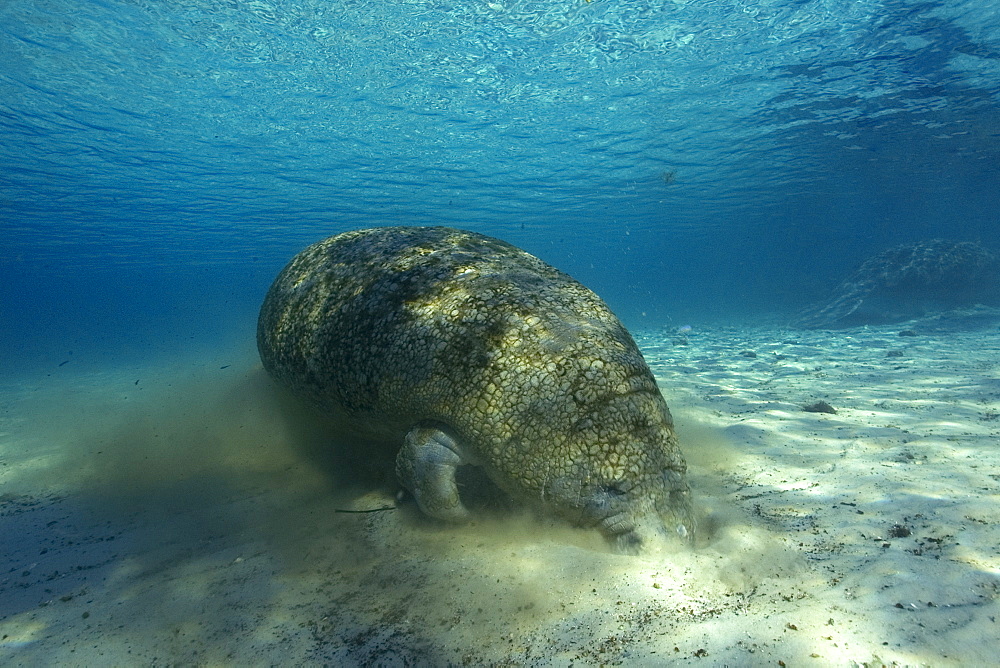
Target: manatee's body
910,281
457,348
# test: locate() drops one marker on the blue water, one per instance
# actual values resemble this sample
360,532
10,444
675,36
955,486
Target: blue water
160,160
695,162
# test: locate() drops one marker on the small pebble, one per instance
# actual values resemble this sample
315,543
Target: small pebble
898,531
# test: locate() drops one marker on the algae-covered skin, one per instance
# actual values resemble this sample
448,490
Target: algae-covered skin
455,348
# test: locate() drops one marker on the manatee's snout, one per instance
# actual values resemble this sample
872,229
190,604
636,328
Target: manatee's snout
676,510
652,532
640,517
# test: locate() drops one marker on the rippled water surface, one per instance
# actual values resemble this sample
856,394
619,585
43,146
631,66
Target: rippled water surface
724,150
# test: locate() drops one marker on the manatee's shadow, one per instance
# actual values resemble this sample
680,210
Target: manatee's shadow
357,467
351,466
203,502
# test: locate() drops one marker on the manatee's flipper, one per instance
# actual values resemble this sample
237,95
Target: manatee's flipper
426,466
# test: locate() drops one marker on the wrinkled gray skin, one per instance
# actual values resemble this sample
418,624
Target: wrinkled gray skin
460,349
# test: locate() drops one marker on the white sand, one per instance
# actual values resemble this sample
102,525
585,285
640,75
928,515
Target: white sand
189,518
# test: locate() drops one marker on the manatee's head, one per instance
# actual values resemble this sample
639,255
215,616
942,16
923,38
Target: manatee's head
567,416
625,475
632,524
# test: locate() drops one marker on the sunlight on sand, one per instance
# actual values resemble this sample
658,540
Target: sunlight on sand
198,519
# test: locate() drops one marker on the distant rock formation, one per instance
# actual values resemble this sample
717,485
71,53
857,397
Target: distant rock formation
907,282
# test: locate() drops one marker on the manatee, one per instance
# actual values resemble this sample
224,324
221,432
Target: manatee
909,281
454,349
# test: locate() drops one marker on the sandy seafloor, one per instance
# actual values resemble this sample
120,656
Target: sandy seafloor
184,513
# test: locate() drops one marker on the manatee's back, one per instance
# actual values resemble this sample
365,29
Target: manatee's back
394,325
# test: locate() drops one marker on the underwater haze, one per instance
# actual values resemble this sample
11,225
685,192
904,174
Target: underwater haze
710,168
160,161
